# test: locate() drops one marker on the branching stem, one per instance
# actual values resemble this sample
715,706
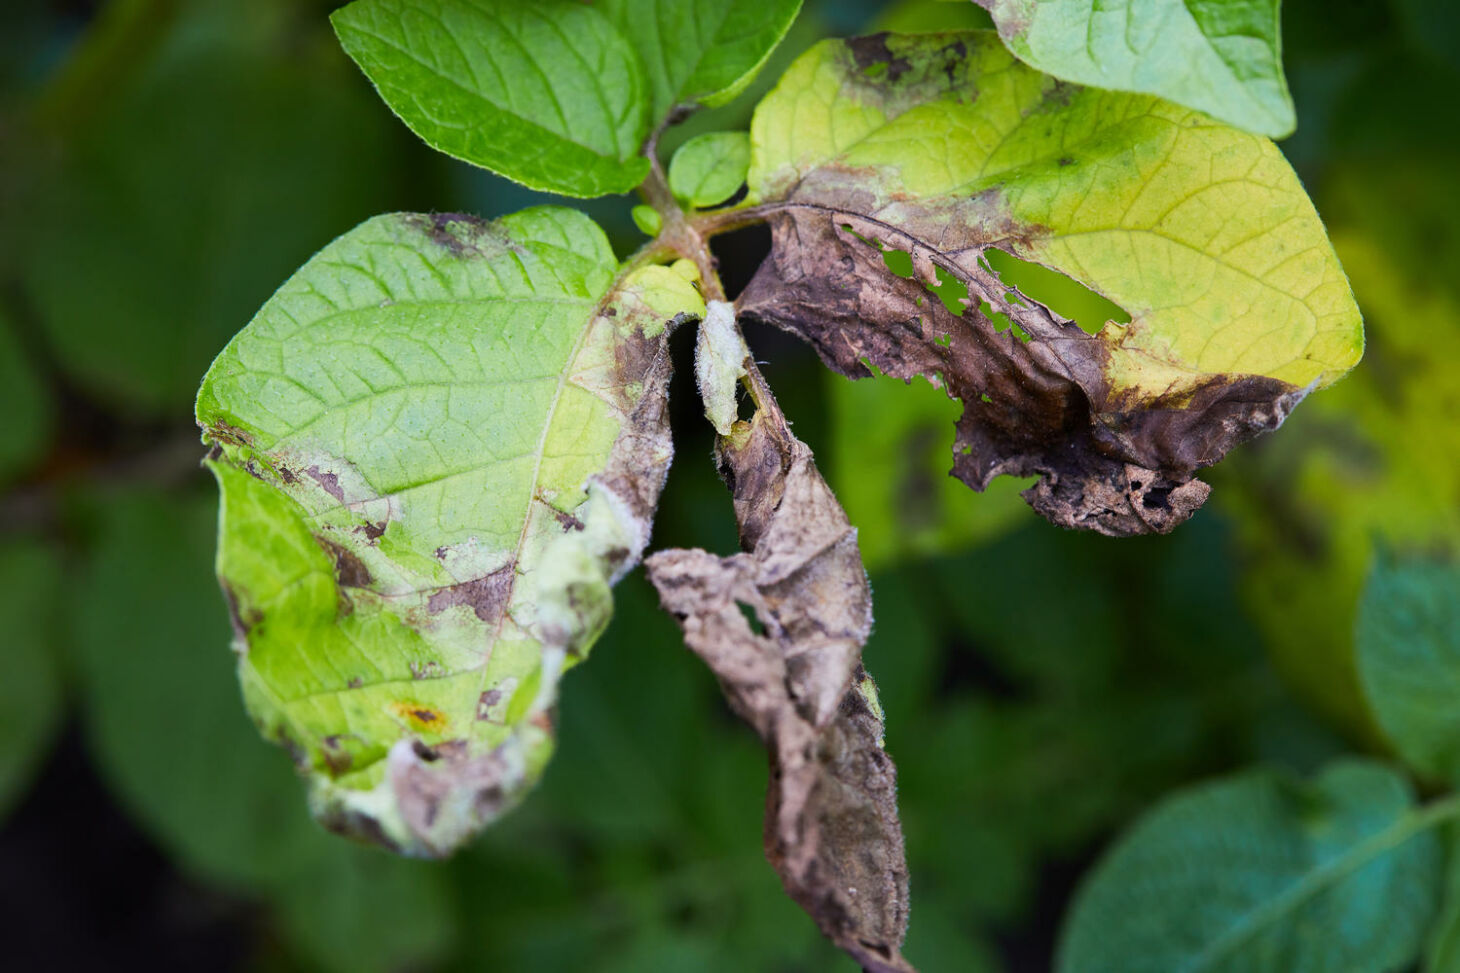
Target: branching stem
685,237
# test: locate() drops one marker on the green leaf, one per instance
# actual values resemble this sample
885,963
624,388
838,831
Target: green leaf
30,678
647,219
700,51
1262,872
709,168
1442,953
437,445
224,161
548,93
1223,57
1408,643
160,701
25,403
1202,234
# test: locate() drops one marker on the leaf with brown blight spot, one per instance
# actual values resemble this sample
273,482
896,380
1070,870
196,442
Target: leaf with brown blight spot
438,445
832,830
944,146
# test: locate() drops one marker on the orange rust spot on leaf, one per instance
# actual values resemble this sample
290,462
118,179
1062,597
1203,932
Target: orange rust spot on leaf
423,718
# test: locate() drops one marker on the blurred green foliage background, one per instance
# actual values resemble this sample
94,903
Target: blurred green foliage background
165,164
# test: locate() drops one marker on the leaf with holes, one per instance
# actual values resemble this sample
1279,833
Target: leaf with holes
548,93
438,444
1223,57
1259,873
946,148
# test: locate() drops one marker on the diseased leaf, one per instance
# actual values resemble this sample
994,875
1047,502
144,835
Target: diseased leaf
1258,873
1201,233
720,355
1408,643
438,444
1223,57
795,675
548,93
700,51
160,704
30,676
709,168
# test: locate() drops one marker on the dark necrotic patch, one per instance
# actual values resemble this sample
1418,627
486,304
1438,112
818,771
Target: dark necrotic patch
350,571
874,57
329,481
486,596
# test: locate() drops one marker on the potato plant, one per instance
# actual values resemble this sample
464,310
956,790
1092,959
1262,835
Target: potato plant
443,440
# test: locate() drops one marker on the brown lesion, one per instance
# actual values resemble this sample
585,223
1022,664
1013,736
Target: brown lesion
831,830
328,481
486,596
1050,412
350,571
421,717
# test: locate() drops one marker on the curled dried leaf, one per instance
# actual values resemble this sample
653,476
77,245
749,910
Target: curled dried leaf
831,830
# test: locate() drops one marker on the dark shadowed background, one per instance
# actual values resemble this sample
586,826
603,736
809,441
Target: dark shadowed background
165,164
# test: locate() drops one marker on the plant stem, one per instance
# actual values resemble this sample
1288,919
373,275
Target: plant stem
685,238
677,233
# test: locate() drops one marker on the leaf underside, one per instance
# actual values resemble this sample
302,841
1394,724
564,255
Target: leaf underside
437,445
944,146
700,51
1223,57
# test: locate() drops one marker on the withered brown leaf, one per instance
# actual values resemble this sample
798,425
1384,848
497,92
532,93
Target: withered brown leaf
1041,407
831,827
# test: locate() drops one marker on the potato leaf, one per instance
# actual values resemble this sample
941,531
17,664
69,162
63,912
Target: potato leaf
1223,57
438,444
1407,640
945,147
709,168
548,93
31,702
700,51
1256,873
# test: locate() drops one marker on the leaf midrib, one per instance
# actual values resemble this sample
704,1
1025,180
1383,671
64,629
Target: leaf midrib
1320,879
